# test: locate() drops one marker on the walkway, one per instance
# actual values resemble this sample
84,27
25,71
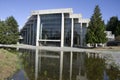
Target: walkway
65,49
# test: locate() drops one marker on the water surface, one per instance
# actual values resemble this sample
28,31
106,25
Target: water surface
52,65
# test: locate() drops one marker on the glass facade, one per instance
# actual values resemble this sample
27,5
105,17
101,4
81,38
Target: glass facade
45,29
50,29
50,26
29,31
84,31
76,32
67,32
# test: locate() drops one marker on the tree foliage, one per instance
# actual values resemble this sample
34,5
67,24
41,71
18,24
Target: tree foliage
117,31
96,29
94,68
9,33
114,25
117,38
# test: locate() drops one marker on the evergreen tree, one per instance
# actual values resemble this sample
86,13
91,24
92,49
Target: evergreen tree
96,29
9,31
3,32
113,25
117,31
13,33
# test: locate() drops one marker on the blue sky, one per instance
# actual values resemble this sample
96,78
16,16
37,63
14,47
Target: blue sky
21,9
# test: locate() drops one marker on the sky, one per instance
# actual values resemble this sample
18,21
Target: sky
21,9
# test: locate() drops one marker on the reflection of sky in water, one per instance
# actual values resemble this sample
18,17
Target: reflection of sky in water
49,65
113,59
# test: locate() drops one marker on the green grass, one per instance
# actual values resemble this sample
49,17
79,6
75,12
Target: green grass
9,63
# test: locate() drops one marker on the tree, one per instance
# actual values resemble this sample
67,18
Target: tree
113,25
96,29
3,32
117,31
94,68
117,38
13,33
9,31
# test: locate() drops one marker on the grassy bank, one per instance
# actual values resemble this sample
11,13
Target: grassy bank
9,63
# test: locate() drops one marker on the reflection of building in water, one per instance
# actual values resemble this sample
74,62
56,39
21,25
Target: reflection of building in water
95,55
82,73
66,61
61,65
112,60
79,77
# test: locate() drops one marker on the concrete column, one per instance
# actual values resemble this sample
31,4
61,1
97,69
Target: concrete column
36,64
81,38
33,32
71,60
62,30
41,30
30,34
61,65
38,30
88,54
27,35
72,32
39,59
87,24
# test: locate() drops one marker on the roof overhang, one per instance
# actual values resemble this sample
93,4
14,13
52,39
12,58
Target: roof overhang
50,11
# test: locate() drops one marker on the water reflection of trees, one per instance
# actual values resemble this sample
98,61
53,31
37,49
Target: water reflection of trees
94,68
113,73
28,62
89,67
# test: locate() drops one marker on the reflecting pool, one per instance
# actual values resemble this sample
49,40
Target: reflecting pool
51,65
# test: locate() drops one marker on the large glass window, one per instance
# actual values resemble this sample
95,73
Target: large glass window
77,34
50,26
67,32
84,31
29,31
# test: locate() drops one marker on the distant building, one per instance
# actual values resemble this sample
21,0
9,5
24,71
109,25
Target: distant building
56,27
110,36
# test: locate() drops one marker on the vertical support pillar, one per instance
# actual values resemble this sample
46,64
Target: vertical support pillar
24,37
27,35
87,24
33,32
81,38
39,63
62,31
38,29
41,26
72,32
85,44
61,64
30,34
71,59
36,64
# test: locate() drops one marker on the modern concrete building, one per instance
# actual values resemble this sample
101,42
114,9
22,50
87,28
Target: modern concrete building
57,27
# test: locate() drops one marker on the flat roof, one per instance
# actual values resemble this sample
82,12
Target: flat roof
50,11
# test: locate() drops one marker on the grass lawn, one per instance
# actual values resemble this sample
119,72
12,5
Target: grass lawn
9,64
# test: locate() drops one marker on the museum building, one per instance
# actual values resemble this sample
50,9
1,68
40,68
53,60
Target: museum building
55,27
